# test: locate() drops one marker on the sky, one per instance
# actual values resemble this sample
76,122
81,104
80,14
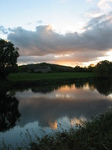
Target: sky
65,32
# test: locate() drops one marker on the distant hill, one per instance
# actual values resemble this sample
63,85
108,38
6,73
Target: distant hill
45,67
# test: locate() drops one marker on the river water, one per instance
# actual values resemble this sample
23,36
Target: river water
46,109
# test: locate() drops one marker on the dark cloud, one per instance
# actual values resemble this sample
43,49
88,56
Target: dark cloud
75,57
36,59
3,30
94,42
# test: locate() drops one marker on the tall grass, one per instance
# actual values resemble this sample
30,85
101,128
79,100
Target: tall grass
91,135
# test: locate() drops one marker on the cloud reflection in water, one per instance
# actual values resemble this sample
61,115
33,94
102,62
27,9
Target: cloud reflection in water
67,100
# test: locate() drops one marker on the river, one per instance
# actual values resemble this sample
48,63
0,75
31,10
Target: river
46,109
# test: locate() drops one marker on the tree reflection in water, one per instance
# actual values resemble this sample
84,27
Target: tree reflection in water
52,106
102,86
9,113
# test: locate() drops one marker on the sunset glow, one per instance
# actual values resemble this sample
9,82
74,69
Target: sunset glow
53,125
79,33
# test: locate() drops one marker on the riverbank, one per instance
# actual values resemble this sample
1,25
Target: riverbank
91,135
98,131
22,79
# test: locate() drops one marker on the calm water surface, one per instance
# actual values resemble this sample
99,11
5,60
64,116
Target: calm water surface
45,109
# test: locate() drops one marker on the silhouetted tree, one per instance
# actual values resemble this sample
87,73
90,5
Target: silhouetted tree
103,69
90,68
8,58
78,69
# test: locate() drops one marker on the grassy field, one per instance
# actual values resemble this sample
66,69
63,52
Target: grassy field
48,76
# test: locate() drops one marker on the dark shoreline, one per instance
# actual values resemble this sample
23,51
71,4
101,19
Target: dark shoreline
42,82
7,84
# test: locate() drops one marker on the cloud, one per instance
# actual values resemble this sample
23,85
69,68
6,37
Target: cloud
3,30
45,45
67,59
104,4
93,13
36,59
39,21
103,7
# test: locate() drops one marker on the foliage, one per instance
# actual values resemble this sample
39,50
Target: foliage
84,69
8,57
103,69
90,135
93,135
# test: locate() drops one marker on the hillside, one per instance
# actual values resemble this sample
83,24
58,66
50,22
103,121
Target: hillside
45,67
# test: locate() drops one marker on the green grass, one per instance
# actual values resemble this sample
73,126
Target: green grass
47,76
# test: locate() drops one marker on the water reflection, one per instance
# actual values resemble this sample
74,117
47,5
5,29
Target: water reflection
9,113
67,101
49,107
103,86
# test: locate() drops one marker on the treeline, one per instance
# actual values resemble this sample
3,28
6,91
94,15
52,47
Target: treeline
8,63
53,68
101,69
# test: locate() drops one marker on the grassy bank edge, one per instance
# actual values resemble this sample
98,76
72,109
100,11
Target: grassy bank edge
20,79
91,135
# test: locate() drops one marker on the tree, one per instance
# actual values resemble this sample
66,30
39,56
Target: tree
103,69
8,58
90,68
